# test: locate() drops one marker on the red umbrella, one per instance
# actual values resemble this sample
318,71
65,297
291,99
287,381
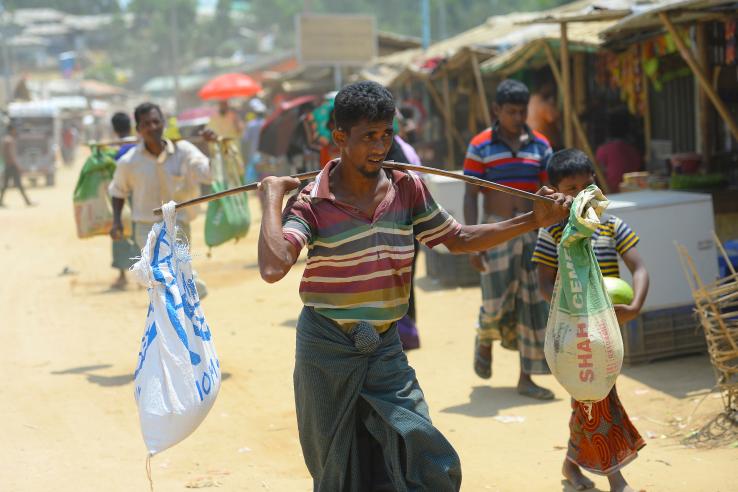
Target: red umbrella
230,85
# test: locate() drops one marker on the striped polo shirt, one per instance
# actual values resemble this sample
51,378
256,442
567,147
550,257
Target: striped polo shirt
612,238
488,157
359,268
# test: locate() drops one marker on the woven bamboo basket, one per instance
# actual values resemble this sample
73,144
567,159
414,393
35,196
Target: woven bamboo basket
716,305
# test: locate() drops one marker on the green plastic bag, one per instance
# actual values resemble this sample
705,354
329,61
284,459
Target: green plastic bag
584,347
93,212
227,218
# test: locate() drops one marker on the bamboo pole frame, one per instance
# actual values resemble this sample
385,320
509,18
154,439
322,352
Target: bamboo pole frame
566,85
703,102
451,157
439,103
700,74
647,120
575,119
480,89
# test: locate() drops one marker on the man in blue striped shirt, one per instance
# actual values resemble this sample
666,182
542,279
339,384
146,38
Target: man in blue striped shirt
513,310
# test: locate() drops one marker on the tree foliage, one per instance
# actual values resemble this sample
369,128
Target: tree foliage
78,7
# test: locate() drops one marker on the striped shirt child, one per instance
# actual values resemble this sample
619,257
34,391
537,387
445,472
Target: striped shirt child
612,238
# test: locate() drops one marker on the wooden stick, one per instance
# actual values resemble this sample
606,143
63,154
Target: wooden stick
480,90
575,119
700,74
482,183
387,165
449,138
123,141
442,108
566,86
233,191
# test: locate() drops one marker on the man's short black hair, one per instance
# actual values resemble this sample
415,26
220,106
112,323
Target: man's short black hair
362,101
566,163
145,108
121,123
511,91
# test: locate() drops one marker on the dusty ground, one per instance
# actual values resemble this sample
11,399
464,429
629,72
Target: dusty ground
69,421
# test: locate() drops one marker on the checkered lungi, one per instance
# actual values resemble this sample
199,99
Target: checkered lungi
513,310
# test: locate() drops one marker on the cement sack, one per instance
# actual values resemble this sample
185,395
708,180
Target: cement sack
583,347
177,376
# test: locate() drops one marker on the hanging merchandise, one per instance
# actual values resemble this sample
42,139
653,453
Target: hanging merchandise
229,217
730,42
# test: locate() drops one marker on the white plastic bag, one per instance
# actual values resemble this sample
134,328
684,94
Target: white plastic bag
177,377
584,347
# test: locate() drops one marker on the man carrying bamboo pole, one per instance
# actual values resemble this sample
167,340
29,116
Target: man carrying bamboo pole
155,171
362,418
513,310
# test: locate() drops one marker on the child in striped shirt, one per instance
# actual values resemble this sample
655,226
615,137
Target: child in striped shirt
606,442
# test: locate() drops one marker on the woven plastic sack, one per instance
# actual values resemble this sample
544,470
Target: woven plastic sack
177,376
93,211
229,217
583,347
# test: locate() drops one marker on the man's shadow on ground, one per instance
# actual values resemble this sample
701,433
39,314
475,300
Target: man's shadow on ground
487,401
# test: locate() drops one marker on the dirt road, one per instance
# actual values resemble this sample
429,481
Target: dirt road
69,421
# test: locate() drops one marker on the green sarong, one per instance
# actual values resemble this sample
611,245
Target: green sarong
362,418
513,310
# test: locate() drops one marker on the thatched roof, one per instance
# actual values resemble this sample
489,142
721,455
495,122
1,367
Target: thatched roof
645,19
496,37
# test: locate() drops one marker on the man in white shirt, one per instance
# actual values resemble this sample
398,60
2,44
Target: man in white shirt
156,171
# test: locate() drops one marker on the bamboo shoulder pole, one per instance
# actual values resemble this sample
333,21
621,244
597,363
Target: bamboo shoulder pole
123,141
699,73
387,165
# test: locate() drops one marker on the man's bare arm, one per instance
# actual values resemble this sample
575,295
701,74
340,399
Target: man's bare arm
276,254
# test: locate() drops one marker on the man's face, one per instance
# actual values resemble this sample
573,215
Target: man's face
512,117
366,145
223,107
572,185
151,126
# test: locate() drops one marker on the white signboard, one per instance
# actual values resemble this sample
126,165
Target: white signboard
336,39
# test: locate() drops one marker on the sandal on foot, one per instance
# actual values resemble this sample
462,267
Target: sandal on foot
536,392
482,364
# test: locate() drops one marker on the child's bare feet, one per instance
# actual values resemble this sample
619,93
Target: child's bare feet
618,483
573,474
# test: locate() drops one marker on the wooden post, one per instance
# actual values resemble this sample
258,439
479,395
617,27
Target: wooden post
442,108
699,73
575,119
480,90
703,101
449,122
566,86
647,131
